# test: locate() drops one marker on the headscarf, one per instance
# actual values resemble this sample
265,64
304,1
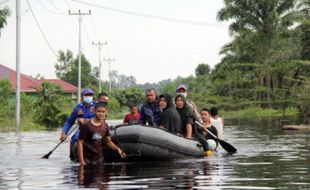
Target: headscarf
168,99
186,112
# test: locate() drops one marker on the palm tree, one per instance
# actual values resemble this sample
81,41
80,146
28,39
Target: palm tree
4,13
260,29
304,16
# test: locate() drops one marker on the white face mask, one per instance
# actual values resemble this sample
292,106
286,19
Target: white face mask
87,99
183,93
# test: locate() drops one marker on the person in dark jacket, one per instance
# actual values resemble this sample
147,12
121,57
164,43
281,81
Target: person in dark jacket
186,114
169,117
149,111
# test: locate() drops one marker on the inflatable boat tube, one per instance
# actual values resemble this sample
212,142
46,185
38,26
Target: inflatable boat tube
145,143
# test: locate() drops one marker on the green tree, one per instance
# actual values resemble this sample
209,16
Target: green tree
5,91
261,31
128,96
202,69
304,18
48,112
6,103
66,69
4,13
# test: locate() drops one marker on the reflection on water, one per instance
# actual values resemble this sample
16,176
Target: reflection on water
267,158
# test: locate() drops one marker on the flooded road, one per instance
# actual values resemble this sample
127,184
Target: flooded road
267,158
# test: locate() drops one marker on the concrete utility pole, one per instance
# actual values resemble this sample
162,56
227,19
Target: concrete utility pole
80,52
109,62
99,44
17,89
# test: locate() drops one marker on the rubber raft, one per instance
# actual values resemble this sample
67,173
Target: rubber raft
145,143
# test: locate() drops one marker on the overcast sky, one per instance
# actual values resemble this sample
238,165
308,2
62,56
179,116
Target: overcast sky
151,40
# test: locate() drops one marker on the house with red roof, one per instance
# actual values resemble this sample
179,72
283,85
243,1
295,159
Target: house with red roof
28,84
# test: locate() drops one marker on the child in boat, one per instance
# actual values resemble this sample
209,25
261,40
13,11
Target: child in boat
93,136
133,117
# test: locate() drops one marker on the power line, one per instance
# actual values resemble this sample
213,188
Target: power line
176,20
87,36
70,8
49,10
45,39
57,8
94,28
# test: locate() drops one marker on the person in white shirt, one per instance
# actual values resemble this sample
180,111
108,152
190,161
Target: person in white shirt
217,122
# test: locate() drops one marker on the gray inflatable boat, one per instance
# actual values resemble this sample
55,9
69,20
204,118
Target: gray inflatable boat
145,143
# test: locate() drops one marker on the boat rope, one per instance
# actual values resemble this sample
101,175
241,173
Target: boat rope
118,142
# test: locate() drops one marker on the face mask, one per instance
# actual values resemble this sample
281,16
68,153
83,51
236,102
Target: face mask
87,99
183,93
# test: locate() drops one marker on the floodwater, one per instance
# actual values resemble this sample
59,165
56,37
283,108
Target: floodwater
267,158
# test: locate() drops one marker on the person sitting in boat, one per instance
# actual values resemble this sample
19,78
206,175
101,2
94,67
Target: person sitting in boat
202,135
103,97
94,135
149,111
169,117
182,89
82,111
133,117
186,114
217,121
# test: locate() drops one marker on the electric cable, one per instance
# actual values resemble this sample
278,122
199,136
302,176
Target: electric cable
41,31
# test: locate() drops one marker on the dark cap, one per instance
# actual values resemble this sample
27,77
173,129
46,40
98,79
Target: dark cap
87,91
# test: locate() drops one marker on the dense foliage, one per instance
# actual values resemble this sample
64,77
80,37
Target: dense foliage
4,13
67,70
48,110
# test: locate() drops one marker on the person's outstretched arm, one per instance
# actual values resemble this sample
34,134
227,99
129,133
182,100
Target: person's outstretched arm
111,145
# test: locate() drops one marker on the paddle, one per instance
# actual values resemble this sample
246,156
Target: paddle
48,154
226,146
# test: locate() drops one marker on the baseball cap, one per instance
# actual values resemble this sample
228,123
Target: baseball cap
181,86
87,91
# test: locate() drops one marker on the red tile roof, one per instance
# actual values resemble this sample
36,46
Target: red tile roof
28,84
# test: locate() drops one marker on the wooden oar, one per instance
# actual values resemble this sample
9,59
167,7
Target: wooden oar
48,154
226,146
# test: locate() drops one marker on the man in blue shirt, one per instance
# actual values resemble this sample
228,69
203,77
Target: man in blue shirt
149,111
81,112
